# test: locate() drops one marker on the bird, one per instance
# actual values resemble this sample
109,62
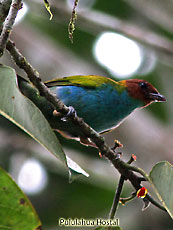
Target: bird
102,102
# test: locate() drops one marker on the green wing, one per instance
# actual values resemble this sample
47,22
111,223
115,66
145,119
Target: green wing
90,81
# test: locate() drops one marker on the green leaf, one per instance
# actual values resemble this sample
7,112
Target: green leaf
16,211
22,112
75,170
161,177
25,114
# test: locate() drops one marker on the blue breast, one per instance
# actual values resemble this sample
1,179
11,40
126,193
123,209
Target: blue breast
102,108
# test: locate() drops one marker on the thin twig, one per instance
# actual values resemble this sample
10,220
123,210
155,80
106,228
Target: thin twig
71,26
146,178
119,188
4,8
97,22
123,201
116,198
8,24
154,202
138,170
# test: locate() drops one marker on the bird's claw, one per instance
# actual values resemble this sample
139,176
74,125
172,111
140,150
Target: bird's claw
71,113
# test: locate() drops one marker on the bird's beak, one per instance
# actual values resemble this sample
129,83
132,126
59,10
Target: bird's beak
157,97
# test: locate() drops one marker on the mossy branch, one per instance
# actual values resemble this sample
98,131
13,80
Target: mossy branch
71,26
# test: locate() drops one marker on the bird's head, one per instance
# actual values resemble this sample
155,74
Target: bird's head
144,91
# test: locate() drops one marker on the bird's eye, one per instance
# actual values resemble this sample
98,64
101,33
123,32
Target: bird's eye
143,85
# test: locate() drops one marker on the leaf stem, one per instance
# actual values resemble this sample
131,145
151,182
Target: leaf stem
119,189
123,201
154,202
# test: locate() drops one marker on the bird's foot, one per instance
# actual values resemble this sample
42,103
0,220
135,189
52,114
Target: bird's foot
71,113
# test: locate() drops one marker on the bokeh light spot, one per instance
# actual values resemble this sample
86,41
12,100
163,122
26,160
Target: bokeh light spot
32,177
120,55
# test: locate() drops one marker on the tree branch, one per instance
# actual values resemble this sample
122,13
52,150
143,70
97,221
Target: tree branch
119,188
116,198
4,8
154,202
71,26
123,168
8,24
